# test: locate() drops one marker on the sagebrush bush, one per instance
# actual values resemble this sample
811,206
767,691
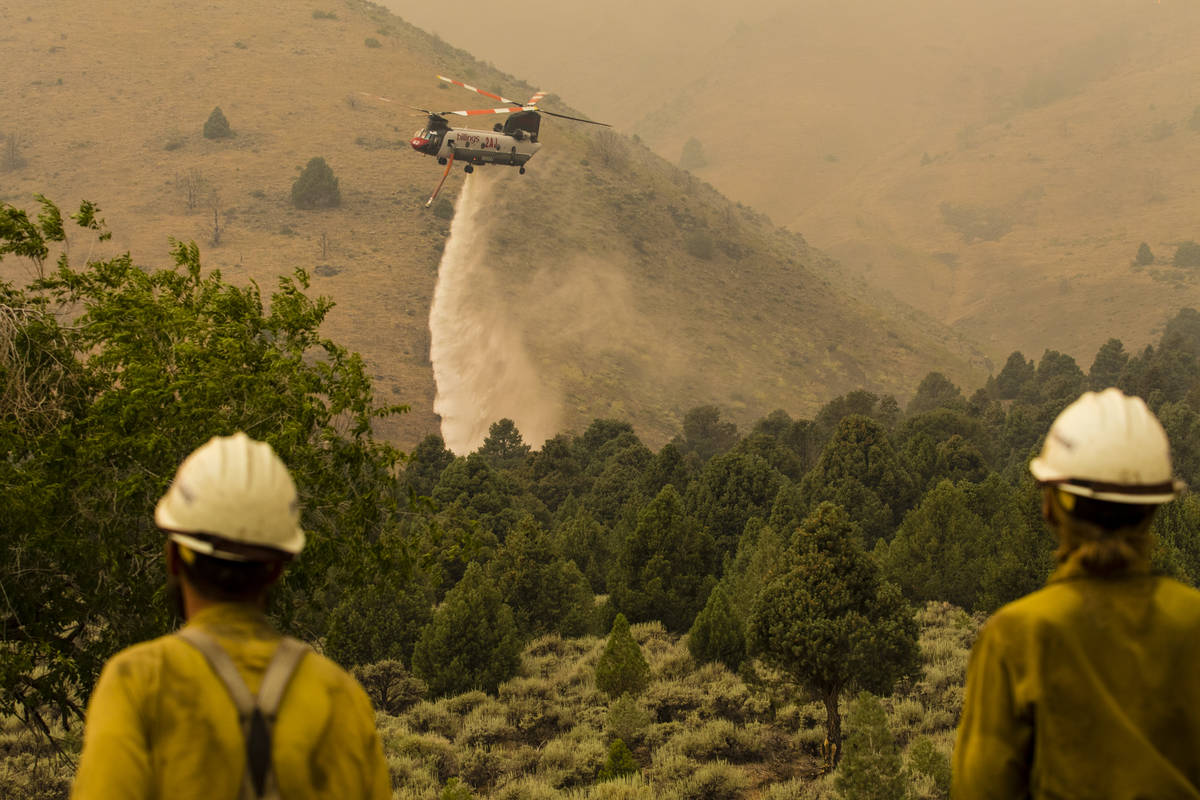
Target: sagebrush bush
574,759
527,788
716,781
435,752
627,720
718,739
427,717
673,700
480,766
669,766
632,787
486,726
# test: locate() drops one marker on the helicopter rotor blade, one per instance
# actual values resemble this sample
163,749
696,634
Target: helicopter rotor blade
568,116
533,101
477,111
477,90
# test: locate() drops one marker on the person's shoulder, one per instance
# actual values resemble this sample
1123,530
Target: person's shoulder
1185,599
330,673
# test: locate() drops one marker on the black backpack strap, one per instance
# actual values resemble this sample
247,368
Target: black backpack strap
255,714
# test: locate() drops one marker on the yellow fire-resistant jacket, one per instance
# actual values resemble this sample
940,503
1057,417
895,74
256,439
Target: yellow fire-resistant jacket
1088,688
161,724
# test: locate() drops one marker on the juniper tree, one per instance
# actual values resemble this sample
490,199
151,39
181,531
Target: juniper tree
871,769
216,126
621,669
472,641
827,620
316,187
718,634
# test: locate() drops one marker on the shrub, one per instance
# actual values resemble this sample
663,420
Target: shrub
455,790
486,726
427,717
216,126
716,781
319,14
627,720
443,208
630,787
692,156
619,762
527,788
390,686
316,187
700,244
1187,255
622,668
372,42
574,759
924,758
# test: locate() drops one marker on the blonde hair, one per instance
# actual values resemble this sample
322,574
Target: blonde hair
1100,549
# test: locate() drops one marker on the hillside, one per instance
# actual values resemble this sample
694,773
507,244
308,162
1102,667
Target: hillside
994,164
638,290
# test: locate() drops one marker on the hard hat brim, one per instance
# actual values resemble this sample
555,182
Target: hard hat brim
1143,495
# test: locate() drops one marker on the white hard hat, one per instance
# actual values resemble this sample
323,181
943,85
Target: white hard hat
233,498
1111,447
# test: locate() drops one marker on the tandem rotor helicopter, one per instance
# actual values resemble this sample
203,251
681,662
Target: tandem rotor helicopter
512,143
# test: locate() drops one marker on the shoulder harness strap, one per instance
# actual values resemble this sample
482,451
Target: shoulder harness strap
256,714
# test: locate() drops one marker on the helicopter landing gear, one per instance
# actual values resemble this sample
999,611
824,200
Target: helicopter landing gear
442,161
468,169
521,171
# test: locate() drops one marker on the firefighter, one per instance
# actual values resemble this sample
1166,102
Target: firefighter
227,708
1090,687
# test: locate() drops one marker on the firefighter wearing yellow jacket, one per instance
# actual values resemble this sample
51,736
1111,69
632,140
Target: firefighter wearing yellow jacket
227,708
1090,687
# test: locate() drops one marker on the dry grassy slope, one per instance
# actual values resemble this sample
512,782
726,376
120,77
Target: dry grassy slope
109,103
819,115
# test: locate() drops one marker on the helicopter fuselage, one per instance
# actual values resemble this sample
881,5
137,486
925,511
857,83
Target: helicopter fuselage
472,146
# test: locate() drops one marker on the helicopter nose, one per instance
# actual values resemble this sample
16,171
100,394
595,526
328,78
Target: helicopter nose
418,143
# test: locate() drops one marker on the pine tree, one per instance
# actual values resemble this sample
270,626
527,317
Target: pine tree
472,642
718,633
871,769
621,668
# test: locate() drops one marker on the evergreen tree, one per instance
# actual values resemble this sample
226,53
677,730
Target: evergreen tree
936,391
705,434
619,762
827,620
425,464
692,156
546,592
1015,376
1106,369
718,634
871,769
666,567
1145,257
621,668
1187,254
730,490
472,641
925,759
860,471
504,447
316,187
216,126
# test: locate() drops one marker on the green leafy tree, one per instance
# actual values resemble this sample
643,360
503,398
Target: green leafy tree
621,668
472,641
316,187
390,686
718,634
827,620
216,126
872,768
1014,377
97,415
665,568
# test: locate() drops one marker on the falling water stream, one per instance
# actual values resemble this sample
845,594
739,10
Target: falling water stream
481,366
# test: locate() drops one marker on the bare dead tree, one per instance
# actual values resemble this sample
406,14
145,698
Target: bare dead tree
191,184
214,205
13,160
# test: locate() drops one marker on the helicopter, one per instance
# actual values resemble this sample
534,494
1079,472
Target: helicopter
511,143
